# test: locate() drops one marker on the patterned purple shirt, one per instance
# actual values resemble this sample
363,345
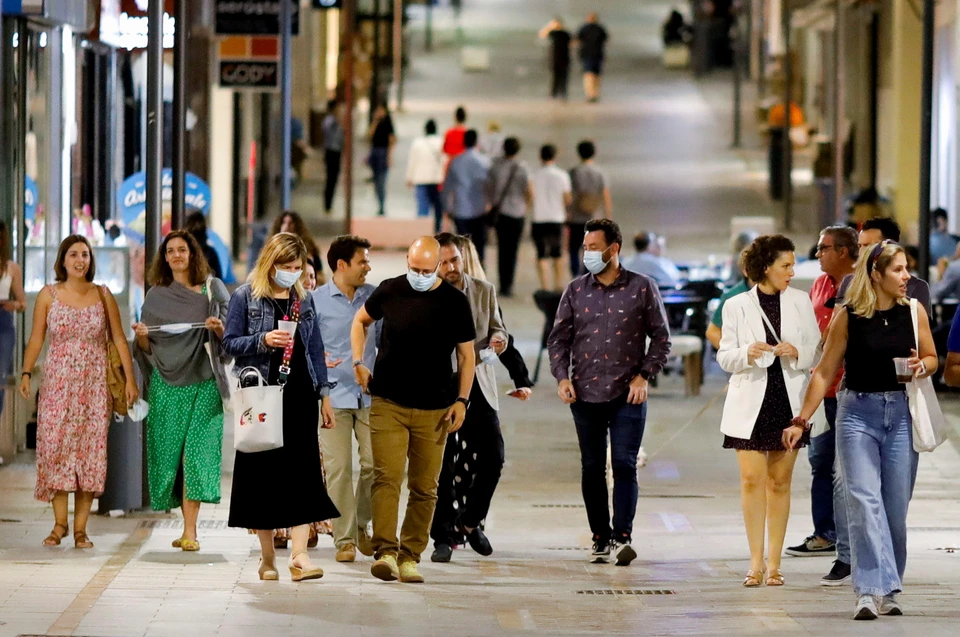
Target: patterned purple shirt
603,330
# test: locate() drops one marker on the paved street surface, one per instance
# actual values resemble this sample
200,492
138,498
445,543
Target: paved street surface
664,140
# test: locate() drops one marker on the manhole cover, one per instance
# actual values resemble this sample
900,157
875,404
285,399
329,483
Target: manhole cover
9,521
627,591
566,548
178,524
557,506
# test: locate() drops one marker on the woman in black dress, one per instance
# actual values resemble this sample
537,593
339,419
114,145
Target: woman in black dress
768,343
253,335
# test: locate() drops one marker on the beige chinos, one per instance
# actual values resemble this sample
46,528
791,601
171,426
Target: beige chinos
337,444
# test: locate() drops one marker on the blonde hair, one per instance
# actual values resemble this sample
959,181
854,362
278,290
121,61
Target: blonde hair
471,260
493,126
861,297
280,249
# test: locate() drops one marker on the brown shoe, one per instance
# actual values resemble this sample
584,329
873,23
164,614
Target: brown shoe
364,542
347,553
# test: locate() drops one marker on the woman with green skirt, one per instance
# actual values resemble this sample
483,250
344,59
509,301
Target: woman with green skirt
178,343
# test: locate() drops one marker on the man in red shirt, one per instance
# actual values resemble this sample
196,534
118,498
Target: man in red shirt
837,251
453,141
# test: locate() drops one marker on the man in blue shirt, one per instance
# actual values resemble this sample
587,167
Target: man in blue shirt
337,303
650,261
464,192
943,245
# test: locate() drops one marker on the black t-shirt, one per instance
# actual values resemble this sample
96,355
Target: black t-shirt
561,47
872,344
420,333
382,133
593,38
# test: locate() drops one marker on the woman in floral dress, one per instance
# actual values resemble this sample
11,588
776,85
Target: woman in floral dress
74,406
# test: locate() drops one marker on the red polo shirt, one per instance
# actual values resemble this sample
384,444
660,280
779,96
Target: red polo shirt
824,289
453,141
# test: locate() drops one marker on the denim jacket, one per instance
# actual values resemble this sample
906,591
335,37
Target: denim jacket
249,320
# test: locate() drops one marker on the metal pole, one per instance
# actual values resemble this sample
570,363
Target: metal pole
839,90
375,77
178,208
154,128
874,95
236,176
398,51
286,81
349,26
787,111
428,30
926,135
762,54
737,80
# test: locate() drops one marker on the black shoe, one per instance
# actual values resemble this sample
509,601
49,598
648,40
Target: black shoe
479,542
813,546
624,552
838,575
601,551
442,553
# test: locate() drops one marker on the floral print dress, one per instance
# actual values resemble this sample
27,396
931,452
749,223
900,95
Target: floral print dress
74,406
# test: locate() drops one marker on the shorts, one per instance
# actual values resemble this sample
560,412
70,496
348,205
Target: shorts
592,65
547,237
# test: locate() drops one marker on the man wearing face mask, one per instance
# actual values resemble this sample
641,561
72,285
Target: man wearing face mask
418,398
602,326
480,437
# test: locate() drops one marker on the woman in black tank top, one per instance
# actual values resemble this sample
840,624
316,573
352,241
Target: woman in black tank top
874,429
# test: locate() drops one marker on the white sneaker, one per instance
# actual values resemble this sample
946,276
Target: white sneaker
601,552
890,606
866,608
624,553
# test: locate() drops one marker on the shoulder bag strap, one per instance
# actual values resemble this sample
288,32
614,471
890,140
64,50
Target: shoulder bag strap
506,187
763,315
288,350
106,313
915,320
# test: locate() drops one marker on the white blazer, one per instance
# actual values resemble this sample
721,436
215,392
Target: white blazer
743,326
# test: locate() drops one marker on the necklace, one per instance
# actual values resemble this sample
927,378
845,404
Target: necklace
284,312
882,317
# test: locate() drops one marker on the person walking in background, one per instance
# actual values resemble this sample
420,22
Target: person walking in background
837,251
480,437
715,328
425,167
649,260
12,300
418,399
290,221
333,136
196,225
875,326
592,39
463,192
491,142
560,40
599,356
337,303
552,194
509,195
591,195
453,139
74,408
770,339
187,384
382,140
259,499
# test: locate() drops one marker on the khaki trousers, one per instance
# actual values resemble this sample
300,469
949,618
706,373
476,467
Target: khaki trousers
399,434
337,444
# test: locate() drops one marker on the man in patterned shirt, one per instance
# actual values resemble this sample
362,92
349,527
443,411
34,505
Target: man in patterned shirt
602,326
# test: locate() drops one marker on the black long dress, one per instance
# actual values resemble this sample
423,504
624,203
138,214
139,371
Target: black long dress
284,487
775,411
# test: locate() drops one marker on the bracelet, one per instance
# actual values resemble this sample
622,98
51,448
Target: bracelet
923,370
27,374
800,422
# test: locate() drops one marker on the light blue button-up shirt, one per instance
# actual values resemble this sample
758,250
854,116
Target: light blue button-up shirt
463,189
336,317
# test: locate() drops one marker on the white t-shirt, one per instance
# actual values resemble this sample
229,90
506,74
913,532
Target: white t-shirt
550,184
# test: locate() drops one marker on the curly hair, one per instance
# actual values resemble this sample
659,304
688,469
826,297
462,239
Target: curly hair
763,253
161,274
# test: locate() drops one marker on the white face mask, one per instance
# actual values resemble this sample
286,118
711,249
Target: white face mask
421,282
766,359
287,279
176,328
593,261
138,410
488,356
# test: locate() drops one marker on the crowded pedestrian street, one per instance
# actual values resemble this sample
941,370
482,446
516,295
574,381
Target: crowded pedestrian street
662,139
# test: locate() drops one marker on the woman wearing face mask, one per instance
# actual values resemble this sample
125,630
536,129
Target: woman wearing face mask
768,343
874,430
275,293
74,409
179,339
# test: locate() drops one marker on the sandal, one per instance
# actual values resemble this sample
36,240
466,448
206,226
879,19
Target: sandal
299,574
81,540
54,538
753,579
268,571
775,578
189,546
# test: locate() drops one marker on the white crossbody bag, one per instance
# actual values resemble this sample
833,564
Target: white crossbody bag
929,425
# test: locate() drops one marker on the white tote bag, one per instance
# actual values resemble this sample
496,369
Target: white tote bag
929,425
257,416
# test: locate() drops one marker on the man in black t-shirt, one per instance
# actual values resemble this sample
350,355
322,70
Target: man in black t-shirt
418,398
559,56
592,39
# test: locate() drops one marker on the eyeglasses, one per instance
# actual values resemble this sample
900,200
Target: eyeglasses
822,248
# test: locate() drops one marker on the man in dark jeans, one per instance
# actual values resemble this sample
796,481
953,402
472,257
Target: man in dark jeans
332,150
592,39
601,329
508,189
464,192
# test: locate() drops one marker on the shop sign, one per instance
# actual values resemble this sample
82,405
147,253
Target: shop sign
30,197
22,7
253,17
132,196
261,75
124,24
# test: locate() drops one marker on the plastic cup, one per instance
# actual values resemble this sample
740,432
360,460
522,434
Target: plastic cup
904,373
290,327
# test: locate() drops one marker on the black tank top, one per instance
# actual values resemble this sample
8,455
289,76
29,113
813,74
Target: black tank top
872,344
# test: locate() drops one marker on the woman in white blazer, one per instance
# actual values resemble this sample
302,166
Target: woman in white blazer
768,343
425,171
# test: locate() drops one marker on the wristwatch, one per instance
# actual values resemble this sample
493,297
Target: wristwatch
465,401
358,363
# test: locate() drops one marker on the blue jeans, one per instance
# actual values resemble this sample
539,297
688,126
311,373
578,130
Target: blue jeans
8,342
625,424
822,455
428,196
875,448
378,164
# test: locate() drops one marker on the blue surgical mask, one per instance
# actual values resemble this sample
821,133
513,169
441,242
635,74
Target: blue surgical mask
421,282
593,261
287,279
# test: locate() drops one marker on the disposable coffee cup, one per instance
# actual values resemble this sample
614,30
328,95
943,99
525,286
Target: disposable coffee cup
290,327
904,373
